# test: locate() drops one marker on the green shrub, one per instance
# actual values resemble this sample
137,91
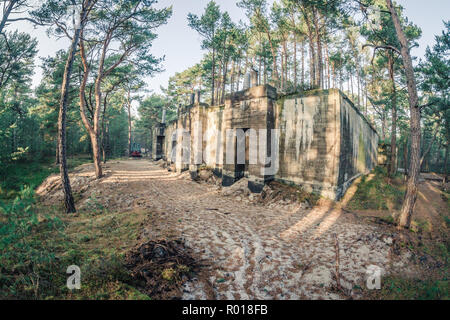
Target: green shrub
25,266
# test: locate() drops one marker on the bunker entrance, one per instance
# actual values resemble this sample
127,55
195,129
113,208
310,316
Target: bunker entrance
159,147
241,154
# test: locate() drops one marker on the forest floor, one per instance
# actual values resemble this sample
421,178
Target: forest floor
268,246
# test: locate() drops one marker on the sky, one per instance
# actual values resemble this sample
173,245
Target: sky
181,46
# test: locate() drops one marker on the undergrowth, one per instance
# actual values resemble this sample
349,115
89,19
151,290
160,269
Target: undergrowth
37,245
396,288
434,257
16,175
378,192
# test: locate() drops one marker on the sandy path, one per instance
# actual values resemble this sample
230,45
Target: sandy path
430,205
254,251
258,252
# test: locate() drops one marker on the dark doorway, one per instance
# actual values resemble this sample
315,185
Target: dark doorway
159,147
241,162
173,153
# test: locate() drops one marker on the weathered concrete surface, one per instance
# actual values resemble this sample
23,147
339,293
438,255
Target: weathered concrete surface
359,145
310,141
325,142
322,141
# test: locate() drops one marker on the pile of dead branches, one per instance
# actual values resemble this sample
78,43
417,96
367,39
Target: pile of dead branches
159,268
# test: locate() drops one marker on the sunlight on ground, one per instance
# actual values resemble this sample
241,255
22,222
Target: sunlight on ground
327,223
306,222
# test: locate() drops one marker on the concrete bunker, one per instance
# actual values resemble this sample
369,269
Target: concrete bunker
316,139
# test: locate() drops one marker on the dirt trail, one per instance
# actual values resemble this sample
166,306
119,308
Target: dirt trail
254,251
430,206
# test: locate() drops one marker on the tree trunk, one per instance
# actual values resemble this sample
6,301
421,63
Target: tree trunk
129,128
319,73
238,77
265,71
358,79
217,85
445,164
312,64
283,55
333,70
259,58
245,68
414,166
224,82
348,83
327,60
69,202
107,145
96,155
6,14
57,160
405,157
286,68
13,141
295,63
103,128
213,78
233,66
365,96
274,57
95,132
303,65
393,162
351,84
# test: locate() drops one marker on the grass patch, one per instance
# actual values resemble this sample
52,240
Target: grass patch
434,285
446,197
447,221
100,242
420,226
394,288
433,257
14,176
378,192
